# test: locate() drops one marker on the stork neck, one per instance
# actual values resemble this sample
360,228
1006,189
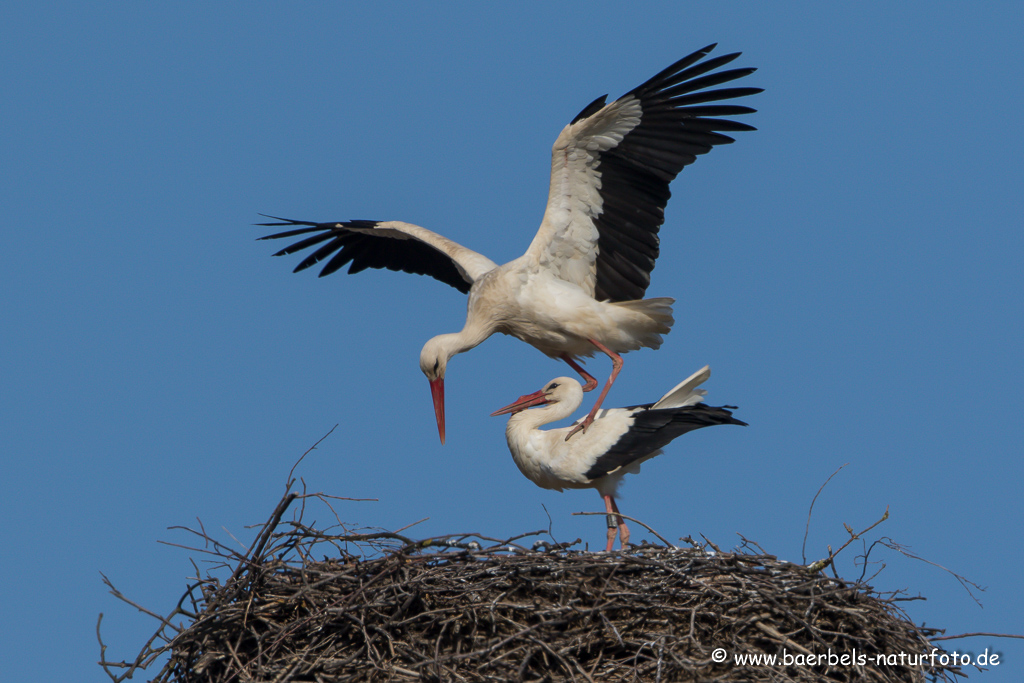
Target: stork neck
473,334
452,343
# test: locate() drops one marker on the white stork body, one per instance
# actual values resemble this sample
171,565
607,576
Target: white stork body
557,316
579,287
616,444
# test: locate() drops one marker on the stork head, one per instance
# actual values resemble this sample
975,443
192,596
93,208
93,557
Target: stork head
556,391
433,362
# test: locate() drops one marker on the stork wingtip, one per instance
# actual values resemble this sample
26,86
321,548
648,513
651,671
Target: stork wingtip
284,221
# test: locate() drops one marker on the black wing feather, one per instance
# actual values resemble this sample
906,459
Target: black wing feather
366,250
591,108
677,124
654,429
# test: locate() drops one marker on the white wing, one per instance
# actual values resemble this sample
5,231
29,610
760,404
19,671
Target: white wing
611,168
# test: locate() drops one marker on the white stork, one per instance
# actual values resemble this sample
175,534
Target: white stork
618,441
579,287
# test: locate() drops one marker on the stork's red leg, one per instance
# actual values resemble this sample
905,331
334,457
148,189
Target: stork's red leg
591,382
616,366
615,523
623,529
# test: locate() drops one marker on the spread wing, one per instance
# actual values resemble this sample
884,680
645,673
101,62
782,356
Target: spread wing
383,244
612,165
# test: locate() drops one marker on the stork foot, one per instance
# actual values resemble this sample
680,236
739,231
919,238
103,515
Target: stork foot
582,426
591,383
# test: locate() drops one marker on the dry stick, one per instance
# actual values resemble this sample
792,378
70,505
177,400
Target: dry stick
550,523
807,528
636,521
103,653
409,526
288,483
775,635
260,543
708,540
971,635
217,545
120,596
748,542
821,564
893,545
147,652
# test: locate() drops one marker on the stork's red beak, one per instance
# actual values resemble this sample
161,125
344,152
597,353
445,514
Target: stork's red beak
437,393
537,398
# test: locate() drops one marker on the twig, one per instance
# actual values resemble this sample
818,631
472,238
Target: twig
821,564
893,545
972,635
550,523
713,546
807,528
636,521
256,550
288,482
409,526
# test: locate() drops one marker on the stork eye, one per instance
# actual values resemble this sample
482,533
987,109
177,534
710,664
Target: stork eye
436,363
552,386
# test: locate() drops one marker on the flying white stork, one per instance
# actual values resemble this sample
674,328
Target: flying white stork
618,441
579,287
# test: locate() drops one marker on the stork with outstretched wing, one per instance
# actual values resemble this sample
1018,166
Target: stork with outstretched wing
579,287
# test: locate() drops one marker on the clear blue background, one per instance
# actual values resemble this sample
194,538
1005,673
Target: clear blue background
851,271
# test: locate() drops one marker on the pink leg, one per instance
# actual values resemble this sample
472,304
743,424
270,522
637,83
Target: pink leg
591,382
616,366
623,529
615,523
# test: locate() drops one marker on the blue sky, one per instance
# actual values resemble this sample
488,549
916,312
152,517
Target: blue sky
851,272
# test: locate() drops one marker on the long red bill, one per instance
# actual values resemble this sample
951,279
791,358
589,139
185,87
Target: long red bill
437,393
537,398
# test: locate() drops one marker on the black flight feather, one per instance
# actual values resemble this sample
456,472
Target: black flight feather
356,243
654,429
677,124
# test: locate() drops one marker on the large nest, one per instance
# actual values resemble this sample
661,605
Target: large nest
383,607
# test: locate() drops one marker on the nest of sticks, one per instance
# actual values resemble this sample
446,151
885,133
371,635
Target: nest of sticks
382,607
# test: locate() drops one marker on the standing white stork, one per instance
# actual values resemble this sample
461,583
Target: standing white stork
618,441
579,287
